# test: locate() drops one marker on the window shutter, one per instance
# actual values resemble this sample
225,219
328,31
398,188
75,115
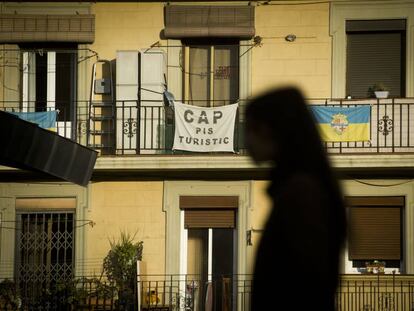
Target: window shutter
47,28
375,228
209,211
375,53
209,218
182,21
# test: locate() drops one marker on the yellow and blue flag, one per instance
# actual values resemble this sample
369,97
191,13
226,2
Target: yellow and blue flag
45,119
338,124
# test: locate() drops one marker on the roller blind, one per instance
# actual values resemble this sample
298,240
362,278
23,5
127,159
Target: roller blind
209,218
47,28
209,211
375,54
375,228
182,21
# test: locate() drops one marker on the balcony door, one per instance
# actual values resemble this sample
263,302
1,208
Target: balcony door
210,263
209,251
49,83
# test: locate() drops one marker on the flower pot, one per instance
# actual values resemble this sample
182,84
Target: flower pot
381,94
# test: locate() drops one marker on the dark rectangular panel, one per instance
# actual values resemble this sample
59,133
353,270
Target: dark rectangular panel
25,145
193,21
192,202
47,28
375,233
219,218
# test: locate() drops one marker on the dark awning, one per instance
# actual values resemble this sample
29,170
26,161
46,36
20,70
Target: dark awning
194,21
27,146
18,28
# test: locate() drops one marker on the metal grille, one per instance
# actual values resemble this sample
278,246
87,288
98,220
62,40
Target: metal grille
45,252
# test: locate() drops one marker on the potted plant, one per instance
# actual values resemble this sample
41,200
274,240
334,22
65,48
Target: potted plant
9,297
379,90
375,267
120,266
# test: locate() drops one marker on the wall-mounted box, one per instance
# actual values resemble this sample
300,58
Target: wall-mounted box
103,86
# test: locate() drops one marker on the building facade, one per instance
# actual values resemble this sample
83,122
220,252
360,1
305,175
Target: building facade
106,66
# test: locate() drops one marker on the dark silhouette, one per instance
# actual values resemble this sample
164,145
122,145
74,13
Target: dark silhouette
297,261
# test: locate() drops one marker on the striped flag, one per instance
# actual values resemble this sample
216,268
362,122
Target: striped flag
45,119
338,124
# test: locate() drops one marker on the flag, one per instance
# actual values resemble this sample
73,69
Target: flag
45,119
338,124
201,129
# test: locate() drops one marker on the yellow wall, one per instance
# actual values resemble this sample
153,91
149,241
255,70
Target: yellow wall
261,205
305,62
134,207
126,26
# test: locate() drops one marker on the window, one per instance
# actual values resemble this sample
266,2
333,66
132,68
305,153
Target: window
49,82
44,244
375,53
49,78
375,230
212,73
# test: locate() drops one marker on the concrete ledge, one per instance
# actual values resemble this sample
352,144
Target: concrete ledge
225,167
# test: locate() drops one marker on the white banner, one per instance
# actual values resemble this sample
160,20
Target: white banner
203,129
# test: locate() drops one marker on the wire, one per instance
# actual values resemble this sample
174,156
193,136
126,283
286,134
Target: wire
383,185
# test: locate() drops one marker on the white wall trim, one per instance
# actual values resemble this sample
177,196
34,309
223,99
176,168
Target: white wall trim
172,192
8,194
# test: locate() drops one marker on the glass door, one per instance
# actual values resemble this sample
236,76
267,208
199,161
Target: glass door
210,266
49,83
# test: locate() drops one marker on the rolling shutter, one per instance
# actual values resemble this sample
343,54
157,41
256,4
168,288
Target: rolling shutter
375,53
47,28
182,21
209,211
375,228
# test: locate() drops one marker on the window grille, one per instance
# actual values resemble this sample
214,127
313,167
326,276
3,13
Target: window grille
44,251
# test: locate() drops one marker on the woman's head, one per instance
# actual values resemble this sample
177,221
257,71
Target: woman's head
280,128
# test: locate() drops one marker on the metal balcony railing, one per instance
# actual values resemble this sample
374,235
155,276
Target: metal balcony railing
147,127
194,292
362,292
375,292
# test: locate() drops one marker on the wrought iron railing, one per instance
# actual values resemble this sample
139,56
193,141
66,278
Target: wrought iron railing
391,127
147,127
194,292
375,292
81,293
362,292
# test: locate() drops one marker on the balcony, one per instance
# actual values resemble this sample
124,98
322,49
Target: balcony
147,128
191,293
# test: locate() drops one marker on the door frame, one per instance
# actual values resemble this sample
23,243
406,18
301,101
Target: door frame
174,239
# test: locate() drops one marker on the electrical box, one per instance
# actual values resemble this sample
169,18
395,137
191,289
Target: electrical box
103,86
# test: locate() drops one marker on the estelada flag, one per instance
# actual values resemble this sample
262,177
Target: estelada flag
338,124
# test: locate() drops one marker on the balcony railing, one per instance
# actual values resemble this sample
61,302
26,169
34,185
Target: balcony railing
194,293
137,128
375,292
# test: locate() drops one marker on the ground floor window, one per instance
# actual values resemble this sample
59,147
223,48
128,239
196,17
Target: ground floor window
44,249
375,231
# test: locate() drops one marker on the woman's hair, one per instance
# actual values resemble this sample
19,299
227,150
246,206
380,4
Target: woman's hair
292,127
299,147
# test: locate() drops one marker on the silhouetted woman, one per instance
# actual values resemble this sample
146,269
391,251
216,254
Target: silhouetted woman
298,256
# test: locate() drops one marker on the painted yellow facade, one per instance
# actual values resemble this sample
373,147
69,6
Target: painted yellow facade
304,62
126,26
132,207
148,207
